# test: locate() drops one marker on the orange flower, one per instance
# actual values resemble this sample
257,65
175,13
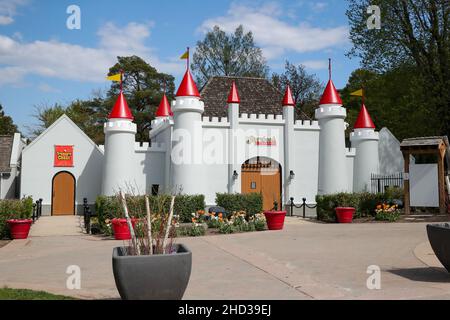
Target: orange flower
379,206
220,215
194,220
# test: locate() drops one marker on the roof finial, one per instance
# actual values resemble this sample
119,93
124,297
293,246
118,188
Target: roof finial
329,68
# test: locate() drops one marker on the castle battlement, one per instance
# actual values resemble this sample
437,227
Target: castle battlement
364,134
146,147
330,111
221,122
306,125
120,126
261,118
350,152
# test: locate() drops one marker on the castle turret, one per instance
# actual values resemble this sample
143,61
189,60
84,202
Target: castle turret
119,148
288,104
187,149
233,118
332,157
365,140
163,112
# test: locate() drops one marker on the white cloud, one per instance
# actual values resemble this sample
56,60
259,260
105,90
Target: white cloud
62,60
274,34
45,87
8,9
318,6
315,64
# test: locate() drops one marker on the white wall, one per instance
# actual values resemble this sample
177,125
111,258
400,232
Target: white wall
391,158
38,159
424,190
305,166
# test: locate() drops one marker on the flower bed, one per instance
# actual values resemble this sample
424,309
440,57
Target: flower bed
386,212
238,221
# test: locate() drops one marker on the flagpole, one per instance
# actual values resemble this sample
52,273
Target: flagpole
121,80
187,58
329,68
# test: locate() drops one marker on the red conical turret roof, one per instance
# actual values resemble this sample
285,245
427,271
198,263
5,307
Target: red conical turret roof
120,109
287,99
188,88
364,121
330,95
164,108
233,97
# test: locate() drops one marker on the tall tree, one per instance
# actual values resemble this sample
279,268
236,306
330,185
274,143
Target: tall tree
143,87
306,88
395,99
412,31
7,126
222,54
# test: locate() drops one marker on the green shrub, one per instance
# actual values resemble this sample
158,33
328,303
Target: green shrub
392,193
108,208
193,230
251,203
364,203
14,209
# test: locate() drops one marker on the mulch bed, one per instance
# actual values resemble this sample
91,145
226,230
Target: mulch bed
407,219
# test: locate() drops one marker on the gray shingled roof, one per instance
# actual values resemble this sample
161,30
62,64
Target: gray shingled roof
6,143
424,141
257,96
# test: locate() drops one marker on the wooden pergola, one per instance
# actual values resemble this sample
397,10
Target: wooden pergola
437,146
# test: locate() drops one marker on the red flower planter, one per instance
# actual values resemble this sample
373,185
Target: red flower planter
345,214
120,228
275,219
19,228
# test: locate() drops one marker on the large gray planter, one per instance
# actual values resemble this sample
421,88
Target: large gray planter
439,236
152,277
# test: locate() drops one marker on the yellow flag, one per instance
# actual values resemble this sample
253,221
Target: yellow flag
115,77
358,93
185,55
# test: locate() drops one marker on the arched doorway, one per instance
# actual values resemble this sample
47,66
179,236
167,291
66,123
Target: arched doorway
262,175
63,194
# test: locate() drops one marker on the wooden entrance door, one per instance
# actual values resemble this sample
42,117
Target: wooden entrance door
262,175
63,194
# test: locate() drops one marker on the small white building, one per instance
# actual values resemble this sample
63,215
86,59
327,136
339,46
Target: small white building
239,135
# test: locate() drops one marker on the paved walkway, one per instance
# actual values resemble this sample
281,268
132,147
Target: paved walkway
304,261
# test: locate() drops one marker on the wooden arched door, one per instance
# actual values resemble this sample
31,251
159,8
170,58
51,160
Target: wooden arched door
262,175
63,194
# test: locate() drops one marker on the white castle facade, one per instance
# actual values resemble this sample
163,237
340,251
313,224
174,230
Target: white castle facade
189,153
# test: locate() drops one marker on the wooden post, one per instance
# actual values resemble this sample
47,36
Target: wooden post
441,182
406,183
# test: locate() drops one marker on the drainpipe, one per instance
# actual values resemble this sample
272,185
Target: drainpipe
1,182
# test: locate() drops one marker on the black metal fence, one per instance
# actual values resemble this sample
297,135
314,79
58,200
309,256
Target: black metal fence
303,206
379,183
87,215
37,210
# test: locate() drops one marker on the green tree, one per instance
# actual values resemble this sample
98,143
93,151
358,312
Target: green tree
395,99
306,88
143,87
88,115
413,32
7,126
222,54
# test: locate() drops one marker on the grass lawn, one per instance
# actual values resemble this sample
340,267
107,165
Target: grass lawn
25,294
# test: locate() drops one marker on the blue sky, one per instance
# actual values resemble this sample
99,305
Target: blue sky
42,62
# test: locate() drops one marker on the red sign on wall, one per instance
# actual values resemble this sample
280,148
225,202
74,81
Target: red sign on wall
63,156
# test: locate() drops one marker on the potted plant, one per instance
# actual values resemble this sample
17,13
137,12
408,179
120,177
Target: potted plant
439,237
120,228
275,218
345,208
20,225
151,267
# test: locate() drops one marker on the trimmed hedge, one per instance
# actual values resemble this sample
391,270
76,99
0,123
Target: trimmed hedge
108,208
251,203
14,209
364,203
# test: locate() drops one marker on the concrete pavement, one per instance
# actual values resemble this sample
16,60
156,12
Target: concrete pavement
304,261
